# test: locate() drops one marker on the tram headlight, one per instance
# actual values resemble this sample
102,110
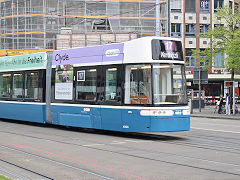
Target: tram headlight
186,112
156,112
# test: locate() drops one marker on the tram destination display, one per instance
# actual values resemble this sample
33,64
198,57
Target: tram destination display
166,50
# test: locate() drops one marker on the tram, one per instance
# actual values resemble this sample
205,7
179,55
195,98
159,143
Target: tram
133,86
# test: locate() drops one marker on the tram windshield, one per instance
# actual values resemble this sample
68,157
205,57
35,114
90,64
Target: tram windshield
155,84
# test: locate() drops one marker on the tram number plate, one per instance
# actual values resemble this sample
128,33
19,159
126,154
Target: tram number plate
86,109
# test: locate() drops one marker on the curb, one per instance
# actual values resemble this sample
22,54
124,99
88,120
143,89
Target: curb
214,117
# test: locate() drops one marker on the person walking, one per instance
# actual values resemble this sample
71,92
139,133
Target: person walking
228,110
220,105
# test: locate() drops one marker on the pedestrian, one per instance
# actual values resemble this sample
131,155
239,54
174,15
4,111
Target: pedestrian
228,111
220,104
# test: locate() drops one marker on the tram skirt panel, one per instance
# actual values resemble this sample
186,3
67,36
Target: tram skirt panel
170,124
23,112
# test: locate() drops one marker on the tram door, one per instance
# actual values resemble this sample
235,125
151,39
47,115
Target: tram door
109,96
137,93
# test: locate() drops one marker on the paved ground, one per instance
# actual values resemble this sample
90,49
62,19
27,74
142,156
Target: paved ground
211,112
209,151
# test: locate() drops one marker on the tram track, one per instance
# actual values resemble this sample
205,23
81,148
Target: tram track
212,142
18,175
179,140
145,158
50,160
165,138
211,136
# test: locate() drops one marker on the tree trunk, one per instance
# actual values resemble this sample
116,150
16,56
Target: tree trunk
232,74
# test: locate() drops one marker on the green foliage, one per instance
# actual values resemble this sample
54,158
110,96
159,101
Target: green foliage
4,178
204,58
225,39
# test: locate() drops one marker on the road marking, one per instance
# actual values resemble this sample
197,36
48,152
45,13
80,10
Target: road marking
93,144
117,142
220,124
236,132
136,141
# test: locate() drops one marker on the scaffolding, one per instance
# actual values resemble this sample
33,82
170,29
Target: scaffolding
34,24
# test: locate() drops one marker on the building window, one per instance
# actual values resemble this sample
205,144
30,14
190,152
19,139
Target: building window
176,30
163,9
190,59
163,27
101,25
204,28
219,26
218,4
190,6
190,29
51,20
176,6
236,7
202,59
204,5
230,4
218,60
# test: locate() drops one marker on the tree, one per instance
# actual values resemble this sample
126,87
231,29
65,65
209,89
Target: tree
225,39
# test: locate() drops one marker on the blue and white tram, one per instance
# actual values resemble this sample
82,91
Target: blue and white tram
134,86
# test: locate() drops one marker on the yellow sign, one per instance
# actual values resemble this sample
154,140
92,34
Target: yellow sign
4,52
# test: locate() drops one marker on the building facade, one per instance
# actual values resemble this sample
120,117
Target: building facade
60,24
32,24
188,19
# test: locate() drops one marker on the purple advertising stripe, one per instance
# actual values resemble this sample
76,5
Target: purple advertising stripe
112,52
113,58
89,59
114,46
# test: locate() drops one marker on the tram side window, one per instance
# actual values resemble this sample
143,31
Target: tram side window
111,84
138,84
17,85
31,85
86,85
5,85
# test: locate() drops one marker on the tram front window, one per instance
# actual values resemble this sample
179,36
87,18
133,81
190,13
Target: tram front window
165,81
138,84
169,84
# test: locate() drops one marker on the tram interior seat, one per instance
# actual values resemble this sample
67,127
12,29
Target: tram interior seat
86,96
139,100
173,99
